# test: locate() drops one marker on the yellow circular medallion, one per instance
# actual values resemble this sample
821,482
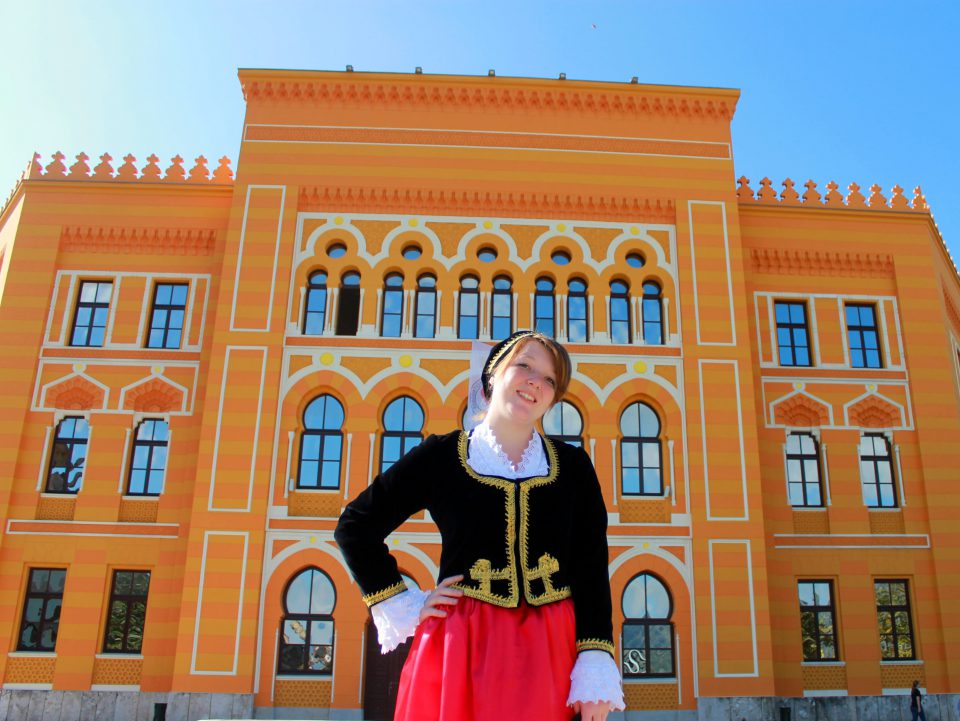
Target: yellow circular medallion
406,361
326,358
640,367
338,220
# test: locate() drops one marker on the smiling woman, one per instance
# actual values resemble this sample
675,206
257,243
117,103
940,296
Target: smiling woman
501,482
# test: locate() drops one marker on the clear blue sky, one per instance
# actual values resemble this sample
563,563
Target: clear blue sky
852,91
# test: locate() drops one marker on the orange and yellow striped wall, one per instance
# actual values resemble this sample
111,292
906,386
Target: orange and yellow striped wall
511,192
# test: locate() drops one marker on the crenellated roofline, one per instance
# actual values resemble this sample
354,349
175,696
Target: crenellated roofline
475,93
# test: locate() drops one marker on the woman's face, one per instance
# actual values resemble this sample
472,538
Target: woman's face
524,387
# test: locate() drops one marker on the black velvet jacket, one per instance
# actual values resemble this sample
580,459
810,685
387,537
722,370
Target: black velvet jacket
539,539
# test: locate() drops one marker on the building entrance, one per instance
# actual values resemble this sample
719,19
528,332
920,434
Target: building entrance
382,677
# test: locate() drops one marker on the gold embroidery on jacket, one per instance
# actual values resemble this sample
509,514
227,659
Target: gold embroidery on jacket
484,593
595,644
389,592
483,571
544,568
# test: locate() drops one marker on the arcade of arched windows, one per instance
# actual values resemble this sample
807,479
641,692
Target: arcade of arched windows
333,436
483,294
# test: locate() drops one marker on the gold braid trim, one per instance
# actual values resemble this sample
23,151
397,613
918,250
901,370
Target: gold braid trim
595,644
372,599
492,362
480,571
547,565
510,489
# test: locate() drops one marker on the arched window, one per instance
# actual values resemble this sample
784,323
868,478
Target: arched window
803,470
544,308
577,311
652,314
306,636
348,304
321,445
315,315
391,319
620,328
647,630
564,423
468,314
501,307
149,458
641,454
402,426
426,308
65,471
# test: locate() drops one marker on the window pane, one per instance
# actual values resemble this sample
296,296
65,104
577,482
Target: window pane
661,662
631,480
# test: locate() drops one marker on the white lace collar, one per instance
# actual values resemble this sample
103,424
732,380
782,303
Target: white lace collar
487,457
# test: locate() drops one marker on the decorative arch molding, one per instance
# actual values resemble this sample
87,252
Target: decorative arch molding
76,391
629,563
401,230
154,394
365,387
801,410
873,410
634,386
308,249
76,394
635,233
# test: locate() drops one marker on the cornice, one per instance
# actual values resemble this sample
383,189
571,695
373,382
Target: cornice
480,139
165,241
486,203
476,93
807,262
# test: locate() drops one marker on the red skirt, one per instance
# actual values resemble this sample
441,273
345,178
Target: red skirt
486,663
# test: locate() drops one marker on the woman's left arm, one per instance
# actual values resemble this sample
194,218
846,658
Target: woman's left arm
595,681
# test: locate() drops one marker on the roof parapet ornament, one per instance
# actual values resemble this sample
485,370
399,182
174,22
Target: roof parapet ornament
833,199
128,172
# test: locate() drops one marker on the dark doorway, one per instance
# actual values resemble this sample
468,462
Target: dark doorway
382,677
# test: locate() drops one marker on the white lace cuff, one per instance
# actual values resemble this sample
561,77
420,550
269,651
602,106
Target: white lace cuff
396,618
595,678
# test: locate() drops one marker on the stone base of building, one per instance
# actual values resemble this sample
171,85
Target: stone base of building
44,705
938,707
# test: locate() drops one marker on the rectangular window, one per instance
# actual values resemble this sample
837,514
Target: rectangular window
468,314
577,312
863,337
501,307
41,610
876,471
803,471
893,620
149,460
793,338
426,307
818,620
166,318
128,612
90,315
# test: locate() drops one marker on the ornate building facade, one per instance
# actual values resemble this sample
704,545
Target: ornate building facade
201,370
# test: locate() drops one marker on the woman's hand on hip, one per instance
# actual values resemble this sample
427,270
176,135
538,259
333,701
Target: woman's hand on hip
590,711
443,595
